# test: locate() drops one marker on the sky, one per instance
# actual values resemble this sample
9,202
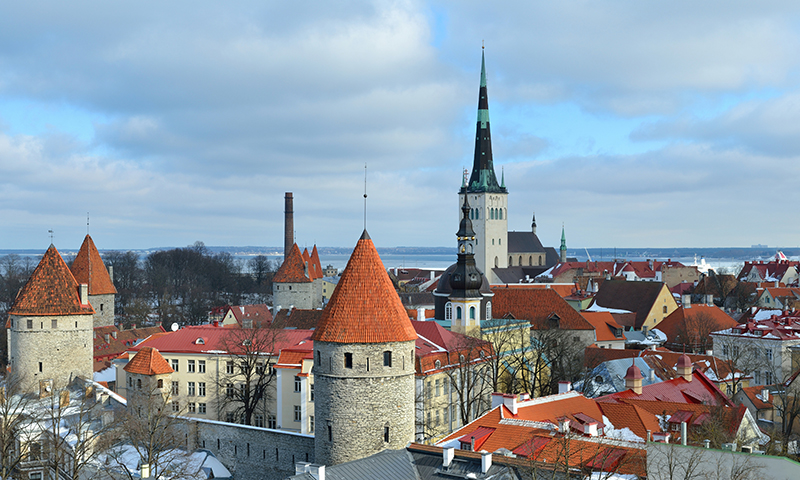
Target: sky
632,124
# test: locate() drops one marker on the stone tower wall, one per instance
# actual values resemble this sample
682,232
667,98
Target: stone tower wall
358,403
301,295
64,351
491,234
103,309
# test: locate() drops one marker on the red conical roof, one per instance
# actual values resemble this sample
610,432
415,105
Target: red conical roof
633,372
314,264
148,361
365,307
293,269
51,290
89,268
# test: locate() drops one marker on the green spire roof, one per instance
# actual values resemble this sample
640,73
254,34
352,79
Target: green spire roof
563,239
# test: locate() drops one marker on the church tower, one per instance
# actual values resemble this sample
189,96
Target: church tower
50,328
563,249
489,200
89,268
465,281
363,364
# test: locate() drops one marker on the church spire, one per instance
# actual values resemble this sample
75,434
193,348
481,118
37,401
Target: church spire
563,249
483,178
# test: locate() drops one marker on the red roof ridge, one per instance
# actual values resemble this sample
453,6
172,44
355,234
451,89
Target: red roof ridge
89,268
365,307
51,290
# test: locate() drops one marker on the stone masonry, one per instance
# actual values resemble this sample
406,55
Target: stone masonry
355,405
103,309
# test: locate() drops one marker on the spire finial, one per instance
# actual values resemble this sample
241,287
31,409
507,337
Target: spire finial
87,223
503,177
51,235
365,197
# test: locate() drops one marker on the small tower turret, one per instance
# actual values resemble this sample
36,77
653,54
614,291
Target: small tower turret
466,280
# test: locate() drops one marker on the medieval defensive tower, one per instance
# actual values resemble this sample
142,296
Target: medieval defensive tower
50,334
89,268
363,364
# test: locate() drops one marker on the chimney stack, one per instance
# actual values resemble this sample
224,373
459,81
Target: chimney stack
288,224
84,291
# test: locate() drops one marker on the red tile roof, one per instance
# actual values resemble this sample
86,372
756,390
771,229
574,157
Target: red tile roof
118,342
754,394
293,358
536,306
51,290
297,318
314,265
148,361
365,307
699,390
687,321
89,268
293,269
624,415
209,339
434,343
563,289
259,314
604,326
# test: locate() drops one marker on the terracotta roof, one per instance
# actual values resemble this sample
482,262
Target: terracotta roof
434,343
297,318
637,297
118,342
623,415
148,361
563,289
293,269
293,358
89,268
365,307
51,290
203,339
537,306
604,326
699,390
754,394
314,265
684,321
259,314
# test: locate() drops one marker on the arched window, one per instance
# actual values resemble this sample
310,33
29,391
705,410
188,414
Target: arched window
477,214
437,364
491,214
386,433
495,260
448,311
458,313
510,262
488,310
520,260
530,260
540,260
501,213
461,358
387,358
472,313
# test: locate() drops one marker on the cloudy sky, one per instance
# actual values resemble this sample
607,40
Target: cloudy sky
635,124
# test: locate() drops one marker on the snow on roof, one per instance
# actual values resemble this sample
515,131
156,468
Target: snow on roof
597,308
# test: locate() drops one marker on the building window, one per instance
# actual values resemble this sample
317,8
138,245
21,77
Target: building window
438,387
201,408
201,366
298,413
229,417
192,407
488,310
160,383
520,260
510,262
348,360
260,368
437,364
387,358
229,390
258,420
458,313
472,313
330,434
30,324
297,383
201,389
175,365
496,263
665,309
448,311
191,389
530,260
311,424
190,366
229,368
271,423
311,390
386,433
768,378
40,369
138,380
175,388
768,353
176,406
54,323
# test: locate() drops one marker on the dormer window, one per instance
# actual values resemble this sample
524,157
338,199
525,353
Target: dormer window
200,341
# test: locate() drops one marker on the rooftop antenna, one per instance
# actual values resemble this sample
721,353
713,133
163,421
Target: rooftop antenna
51,235
365,197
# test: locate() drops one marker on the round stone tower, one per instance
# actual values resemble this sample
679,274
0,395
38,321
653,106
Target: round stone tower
50,328
363,364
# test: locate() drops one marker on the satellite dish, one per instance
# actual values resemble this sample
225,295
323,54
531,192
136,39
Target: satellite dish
174,327
48,388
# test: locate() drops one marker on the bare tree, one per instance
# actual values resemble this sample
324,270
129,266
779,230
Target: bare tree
14,416
694,334
560,354
146,430
470,377
248,377
744,357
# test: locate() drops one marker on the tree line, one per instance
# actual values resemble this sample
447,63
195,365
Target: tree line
180,285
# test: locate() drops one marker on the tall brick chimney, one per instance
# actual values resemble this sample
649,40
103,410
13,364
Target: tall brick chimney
288,225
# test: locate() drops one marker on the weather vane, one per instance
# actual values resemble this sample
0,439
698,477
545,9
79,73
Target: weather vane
51,235
365,196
